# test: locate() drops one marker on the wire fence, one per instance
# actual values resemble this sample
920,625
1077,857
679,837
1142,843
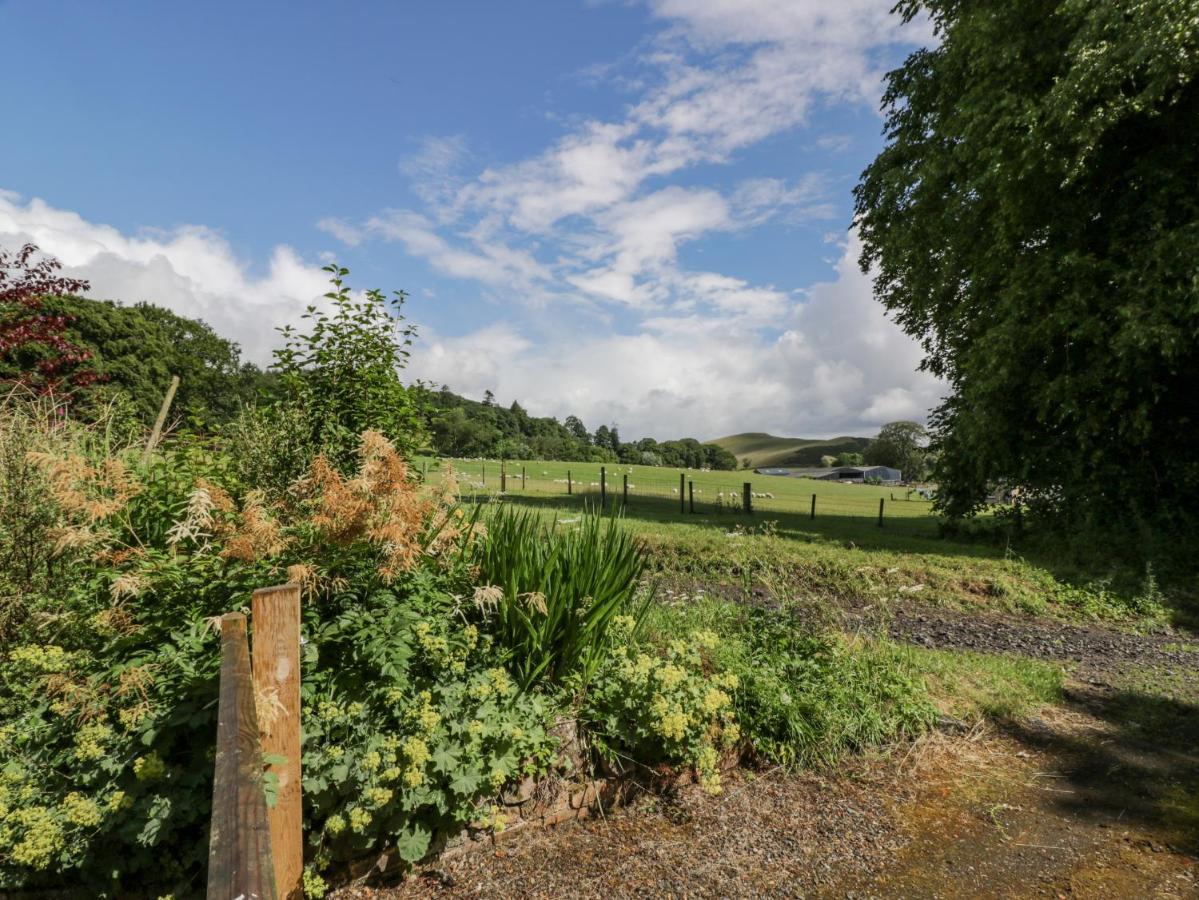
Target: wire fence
691,492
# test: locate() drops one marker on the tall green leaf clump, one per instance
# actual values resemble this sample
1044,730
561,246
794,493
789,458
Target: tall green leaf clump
554,591
1034,222
344,371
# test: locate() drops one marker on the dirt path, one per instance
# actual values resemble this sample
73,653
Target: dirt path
1096,798
991,814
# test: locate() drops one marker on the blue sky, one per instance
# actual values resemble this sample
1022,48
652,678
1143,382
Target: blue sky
635,211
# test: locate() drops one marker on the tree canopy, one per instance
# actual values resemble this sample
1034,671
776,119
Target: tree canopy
1033,221
900,445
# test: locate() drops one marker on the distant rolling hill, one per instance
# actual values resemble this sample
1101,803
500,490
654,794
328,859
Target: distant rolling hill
760,449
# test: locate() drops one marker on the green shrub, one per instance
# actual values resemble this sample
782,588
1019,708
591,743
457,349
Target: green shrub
648,704
108,687
343,373
805,696
551,592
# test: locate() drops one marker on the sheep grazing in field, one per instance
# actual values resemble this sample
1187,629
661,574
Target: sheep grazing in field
674,490
768,495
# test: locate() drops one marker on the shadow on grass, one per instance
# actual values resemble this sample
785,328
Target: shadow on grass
912,534
1141,767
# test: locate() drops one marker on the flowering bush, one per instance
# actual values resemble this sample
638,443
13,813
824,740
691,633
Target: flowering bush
667,704
108,678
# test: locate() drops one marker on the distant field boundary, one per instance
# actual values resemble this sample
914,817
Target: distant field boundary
688,492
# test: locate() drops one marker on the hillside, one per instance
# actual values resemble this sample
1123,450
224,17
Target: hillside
761,449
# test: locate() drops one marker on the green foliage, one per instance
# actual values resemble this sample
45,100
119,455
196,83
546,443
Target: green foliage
650,704
136,349
1035,225
806,695
466,428
344,371
551,593
108,675
900,445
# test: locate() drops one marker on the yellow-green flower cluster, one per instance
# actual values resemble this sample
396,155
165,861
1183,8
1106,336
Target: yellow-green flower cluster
80,810
40,842
706,639
90,742
377,797
707,765
670,676
149,768
314,886
371,761
715,700
360,819
433,644
45,658
670,719
623,625
424,714
335,824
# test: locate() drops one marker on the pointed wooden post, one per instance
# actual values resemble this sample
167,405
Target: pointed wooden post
239,841
813,506
747,498
625,500
691,495
503,476
682,492
569,483
275,613
522,478
603,488
880,512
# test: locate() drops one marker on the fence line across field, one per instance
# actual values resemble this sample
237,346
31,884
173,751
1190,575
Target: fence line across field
694,491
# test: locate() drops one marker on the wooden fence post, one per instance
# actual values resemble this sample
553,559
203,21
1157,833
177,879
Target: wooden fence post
522,478
239,843
691,495
682,492
880,511
813,506
625,500
503,476
156,433
747,499
569,484
275,614
603,488
483,463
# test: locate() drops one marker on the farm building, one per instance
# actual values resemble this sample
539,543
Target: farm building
856,474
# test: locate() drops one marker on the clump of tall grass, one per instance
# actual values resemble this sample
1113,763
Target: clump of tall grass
551,592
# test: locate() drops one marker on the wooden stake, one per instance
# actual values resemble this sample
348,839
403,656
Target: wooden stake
747,498
625,500
603,488
503,475
691,495
813,506
239,842
682,490
161,420
275,613
880,511
569,483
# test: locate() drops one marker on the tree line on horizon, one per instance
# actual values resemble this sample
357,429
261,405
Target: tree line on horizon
110,352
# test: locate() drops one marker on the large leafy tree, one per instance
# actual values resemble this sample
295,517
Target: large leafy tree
900,445
35,350
136,349
1034,221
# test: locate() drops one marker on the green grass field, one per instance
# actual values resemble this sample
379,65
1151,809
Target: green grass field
715,492
840,554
